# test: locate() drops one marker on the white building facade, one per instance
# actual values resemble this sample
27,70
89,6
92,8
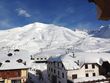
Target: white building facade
87,70
66,68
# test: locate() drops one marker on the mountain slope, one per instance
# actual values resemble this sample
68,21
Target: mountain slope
103,32
38,36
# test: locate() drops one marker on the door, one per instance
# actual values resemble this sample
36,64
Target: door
54,79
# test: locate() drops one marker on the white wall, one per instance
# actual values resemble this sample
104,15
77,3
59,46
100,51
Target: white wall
81,72
68,73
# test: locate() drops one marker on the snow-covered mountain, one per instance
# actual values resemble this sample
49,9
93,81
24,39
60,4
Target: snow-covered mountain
103,32
25,42
36,37
39,36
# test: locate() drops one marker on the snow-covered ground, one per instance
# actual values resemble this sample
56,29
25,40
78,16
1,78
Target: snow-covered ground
35,77
37,37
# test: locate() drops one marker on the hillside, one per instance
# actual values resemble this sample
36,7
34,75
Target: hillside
37,37
103,32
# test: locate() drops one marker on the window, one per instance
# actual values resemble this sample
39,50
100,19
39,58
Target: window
37,58
74,76
62,75
41,58
20,60
62,65
58,73
2,82
10,54
59,82
7,61
86,66
18,73
87,75
54,63
93,66
54,71
16,50
16,81
58,64
94,74
48,75
51,70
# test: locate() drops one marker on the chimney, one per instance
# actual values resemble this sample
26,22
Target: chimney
77,62
24,63
0,64
73,55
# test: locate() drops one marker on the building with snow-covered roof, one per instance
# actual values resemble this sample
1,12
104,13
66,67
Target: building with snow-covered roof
69,67
13,72
42,57
39,62
13,66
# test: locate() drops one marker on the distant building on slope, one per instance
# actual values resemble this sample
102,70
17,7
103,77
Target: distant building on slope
42,57
78,67
13,72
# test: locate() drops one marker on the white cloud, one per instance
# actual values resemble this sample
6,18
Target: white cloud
22,12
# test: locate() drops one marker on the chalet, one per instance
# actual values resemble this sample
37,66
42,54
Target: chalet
13,66
13,72
78,67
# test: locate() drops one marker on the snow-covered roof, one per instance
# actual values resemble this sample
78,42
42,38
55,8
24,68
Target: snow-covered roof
23,54
10,62
76,60
12,66
49,53
39,66
88,79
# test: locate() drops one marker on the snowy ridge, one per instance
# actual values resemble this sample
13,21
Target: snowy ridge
38,37
103,32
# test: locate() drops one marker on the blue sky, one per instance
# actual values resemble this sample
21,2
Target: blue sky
68,13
